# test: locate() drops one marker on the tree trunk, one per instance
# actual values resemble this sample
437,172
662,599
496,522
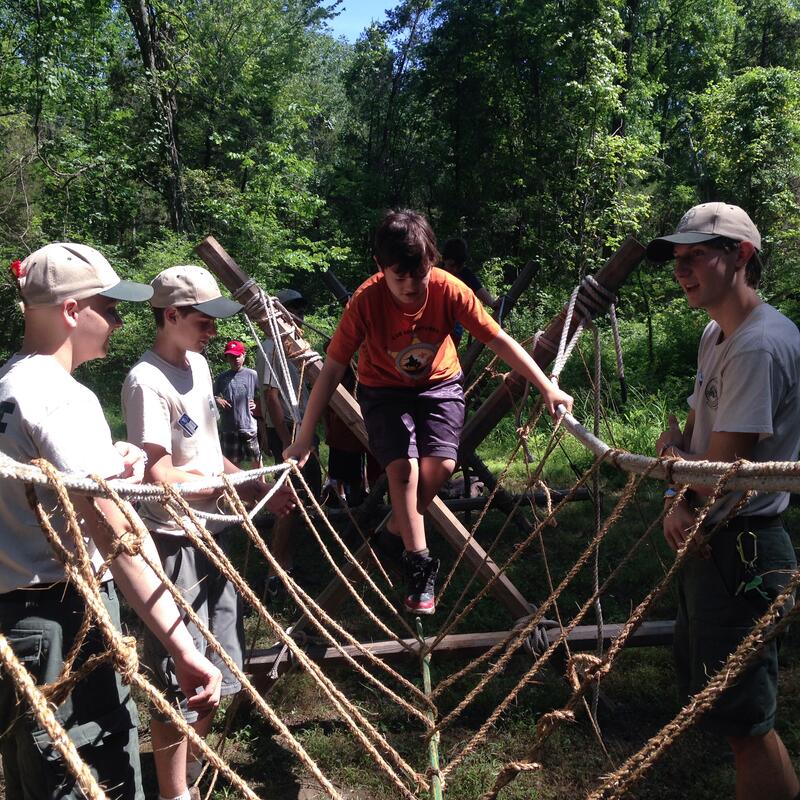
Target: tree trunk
153,34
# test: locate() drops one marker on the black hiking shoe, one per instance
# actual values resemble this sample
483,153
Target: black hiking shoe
421,572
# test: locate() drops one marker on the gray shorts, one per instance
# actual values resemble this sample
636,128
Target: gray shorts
714,615
99,715
214,599
413,422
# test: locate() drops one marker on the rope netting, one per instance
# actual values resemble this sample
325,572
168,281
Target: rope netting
542,637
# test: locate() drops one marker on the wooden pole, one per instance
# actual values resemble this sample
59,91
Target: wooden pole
583,638
482,422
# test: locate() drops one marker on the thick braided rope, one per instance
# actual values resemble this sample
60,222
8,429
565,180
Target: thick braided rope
77,567
481,659
601,668
348,712
518,552
484,511
548,721
518,636
345,706
616,784
363,574
317,616
32,474
189,611
596,499
454,617
47,719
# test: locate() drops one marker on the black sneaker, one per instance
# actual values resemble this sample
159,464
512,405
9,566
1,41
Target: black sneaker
421,572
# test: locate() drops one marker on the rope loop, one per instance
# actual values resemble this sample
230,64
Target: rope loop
591,668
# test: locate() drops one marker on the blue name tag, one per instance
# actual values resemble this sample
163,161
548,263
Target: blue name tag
188,424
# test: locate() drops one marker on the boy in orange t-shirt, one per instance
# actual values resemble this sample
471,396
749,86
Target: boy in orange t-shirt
410,390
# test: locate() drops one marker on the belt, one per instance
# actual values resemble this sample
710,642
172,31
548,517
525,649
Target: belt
754,522
40,594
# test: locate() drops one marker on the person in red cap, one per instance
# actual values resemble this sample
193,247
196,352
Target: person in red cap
235,391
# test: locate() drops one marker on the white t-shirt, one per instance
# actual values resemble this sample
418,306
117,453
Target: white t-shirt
174,407
750,383
45,413
269,375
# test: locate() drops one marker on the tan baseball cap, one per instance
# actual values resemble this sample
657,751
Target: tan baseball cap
704,222
56,272
193,286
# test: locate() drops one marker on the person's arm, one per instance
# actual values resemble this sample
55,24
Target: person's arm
199,680
331,376
726,446
160,469
218,394
135,461
515,355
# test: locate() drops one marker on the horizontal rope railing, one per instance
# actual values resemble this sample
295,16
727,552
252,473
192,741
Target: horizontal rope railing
29,473
772,476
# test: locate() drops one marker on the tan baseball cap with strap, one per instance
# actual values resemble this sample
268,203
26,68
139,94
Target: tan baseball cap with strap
704,222
188,285
63,270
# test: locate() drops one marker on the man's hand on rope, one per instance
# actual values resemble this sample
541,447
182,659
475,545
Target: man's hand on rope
135,461
671,437
298,451
678,523
280,504
199,680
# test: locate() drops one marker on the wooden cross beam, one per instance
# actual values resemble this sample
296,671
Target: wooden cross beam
497,405
346,407
470,645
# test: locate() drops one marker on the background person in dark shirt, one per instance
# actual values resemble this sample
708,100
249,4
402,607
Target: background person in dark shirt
454,259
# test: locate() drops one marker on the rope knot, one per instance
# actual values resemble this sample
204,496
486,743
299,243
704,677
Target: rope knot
591,668
126,659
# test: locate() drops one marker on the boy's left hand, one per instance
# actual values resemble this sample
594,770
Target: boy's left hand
135,461
280,504
556,397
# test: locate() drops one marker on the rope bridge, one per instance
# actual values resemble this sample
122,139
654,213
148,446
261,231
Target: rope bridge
543,635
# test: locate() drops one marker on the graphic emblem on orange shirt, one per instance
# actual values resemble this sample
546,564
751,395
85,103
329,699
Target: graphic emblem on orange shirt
416,360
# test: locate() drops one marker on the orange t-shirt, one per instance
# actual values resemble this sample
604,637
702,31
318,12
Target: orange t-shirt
397,348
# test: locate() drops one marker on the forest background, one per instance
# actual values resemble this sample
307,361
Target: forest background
545,130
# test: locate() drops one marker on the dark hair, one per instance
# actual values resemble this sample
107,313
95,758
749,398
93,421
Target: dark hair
158,313
404,240
752,270
455,250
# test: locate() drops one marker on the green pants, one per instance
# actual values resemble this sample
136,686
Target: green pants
98,715
715,612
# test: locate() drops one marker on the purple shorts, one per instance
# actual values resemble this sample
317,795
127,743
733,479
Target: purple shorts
413,422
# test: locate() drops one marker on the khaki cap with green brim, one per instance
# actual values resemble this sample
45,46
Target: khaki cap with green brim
191,286
64,270
702,223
